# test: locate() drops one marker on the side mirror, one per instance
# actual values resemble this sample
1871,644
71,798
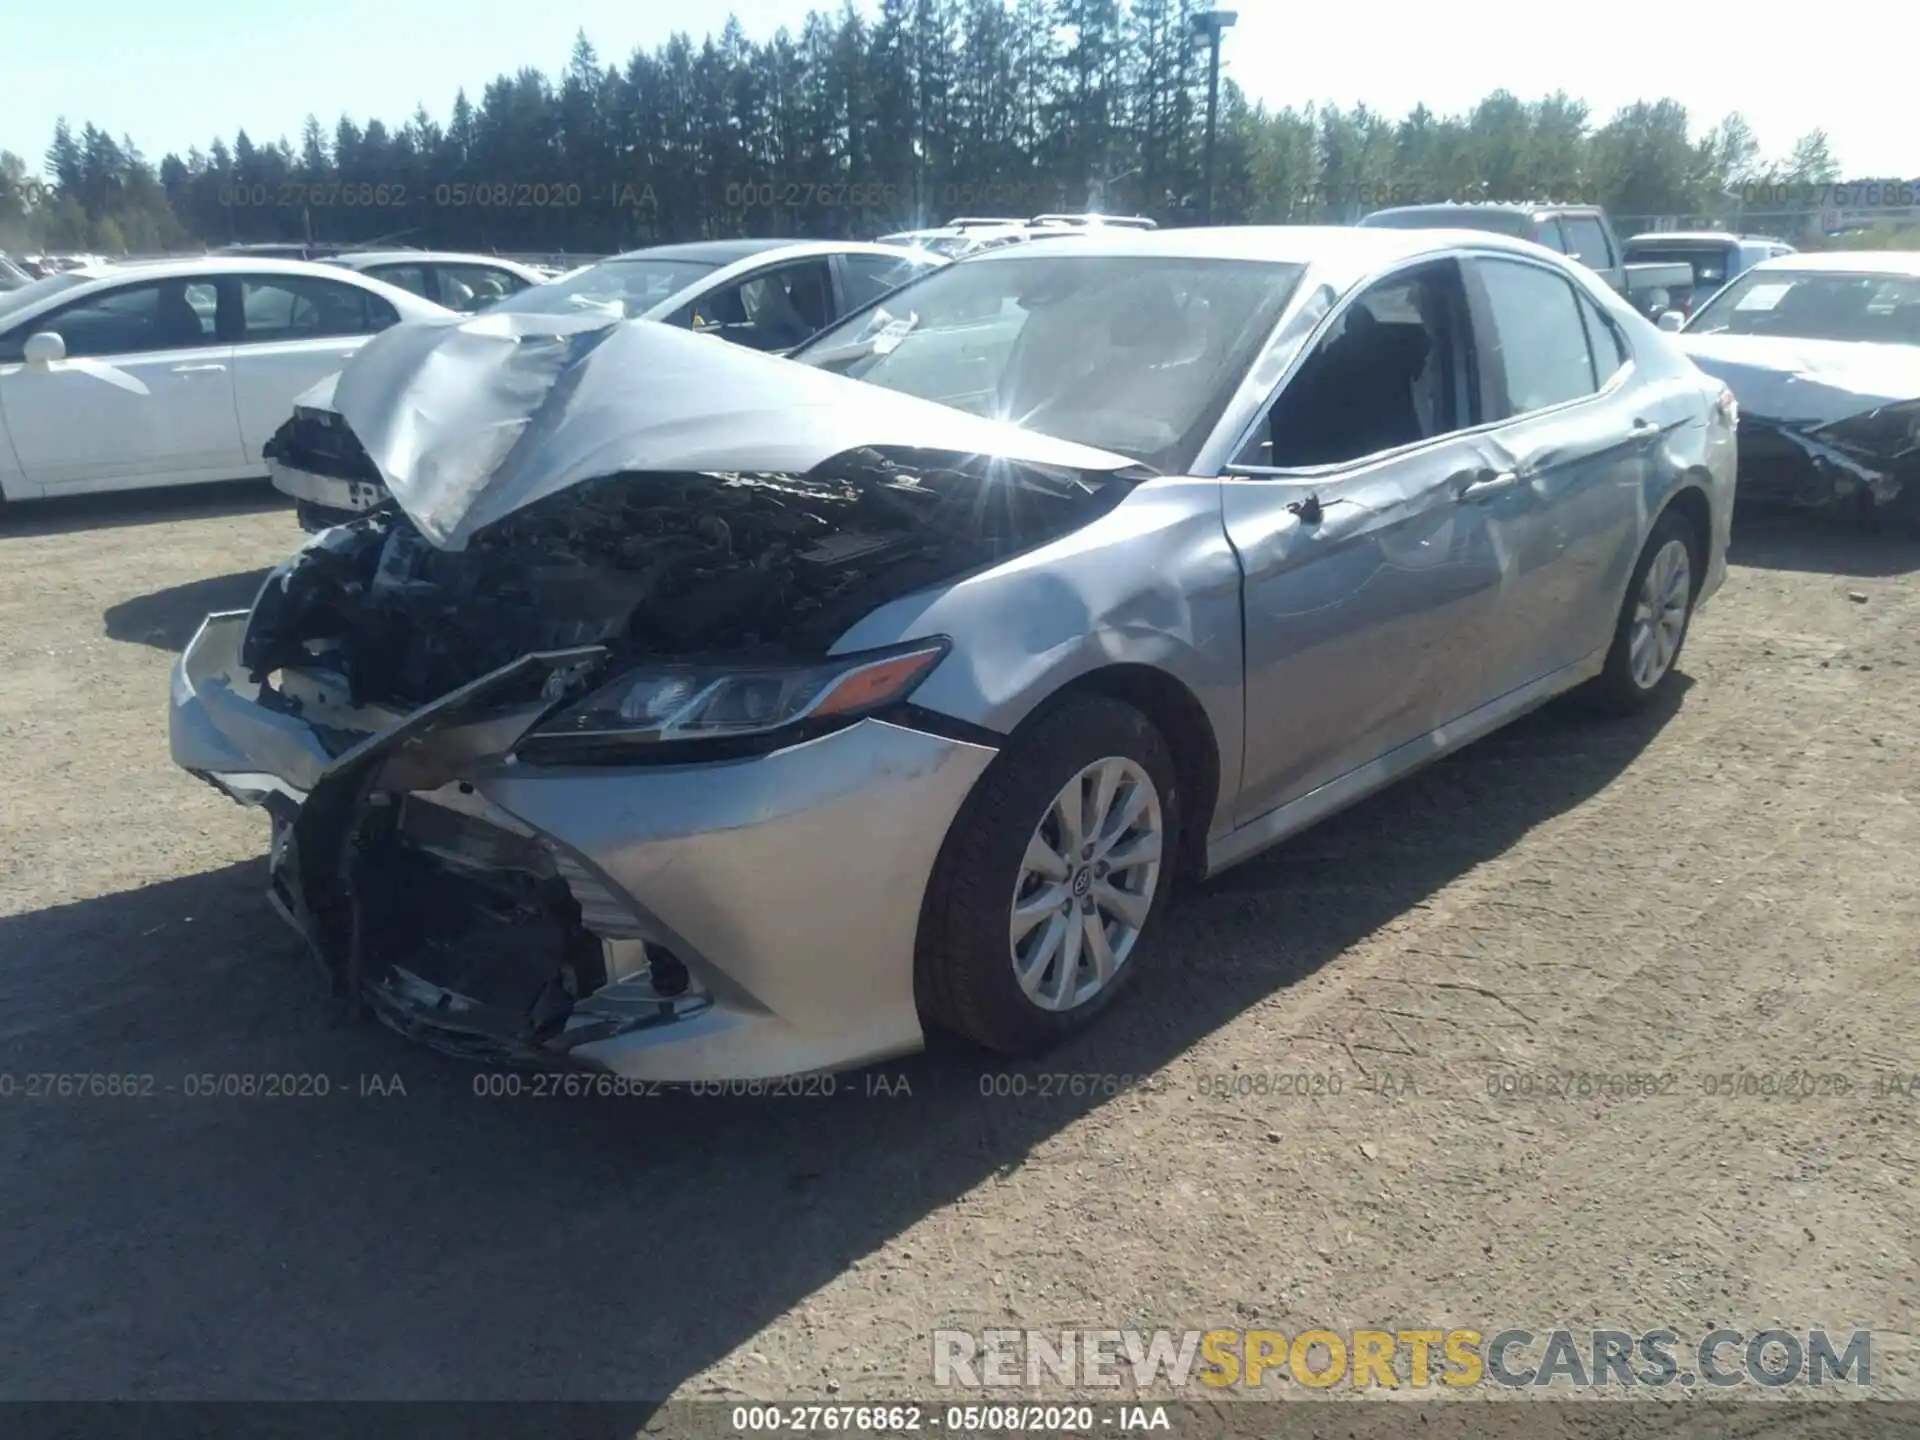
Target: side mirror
1671,321
43,348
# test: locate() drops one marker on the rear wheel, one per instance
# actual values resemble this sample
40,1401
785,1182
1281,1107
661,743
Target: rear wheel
1654,619
1051,880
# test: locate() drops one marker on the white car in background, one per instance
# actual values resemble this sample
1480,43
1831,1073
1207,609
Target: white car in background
173,372
466,283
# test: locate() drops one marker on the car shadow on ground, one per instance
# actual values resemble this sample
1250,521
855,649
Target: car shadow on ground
64,514
1820,542
167,619
437,1243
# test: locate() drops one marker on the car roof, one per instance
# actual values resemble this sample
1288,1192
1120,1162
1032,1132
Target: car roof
727,252
354,259
1498,207
1288,244
205,264
1695,237
1689,237
711,252
1848,262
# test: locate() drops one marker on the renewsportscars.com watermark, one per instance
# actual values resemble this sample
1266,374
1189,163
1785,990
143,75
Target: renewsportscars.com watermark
1415,1358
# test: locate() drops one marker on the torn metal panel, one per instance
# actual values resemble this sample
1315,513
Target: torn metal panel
448,916
1821,422
653,566
471,420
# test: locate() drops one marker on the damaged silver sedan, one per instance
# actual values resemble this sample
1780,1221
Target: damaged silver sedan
1822,353
690,713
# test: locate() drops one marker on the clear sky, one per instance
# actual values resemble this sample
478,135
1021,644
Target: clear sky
179,72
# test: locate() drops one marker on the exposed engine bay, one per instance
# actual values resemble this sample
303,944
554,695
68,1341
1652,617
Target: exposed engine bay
452,919
652,565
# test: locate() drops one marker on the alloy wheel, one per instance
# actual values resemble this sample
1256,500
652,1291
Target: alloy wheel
1660,614
1087,884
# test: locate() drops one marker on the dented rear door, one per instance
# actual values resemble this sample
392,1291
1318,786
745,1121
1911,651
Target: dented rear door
1577,435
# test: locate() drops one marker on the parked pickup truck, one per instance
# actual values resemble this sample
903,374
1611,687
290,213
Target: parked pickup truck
1579,231
1717,259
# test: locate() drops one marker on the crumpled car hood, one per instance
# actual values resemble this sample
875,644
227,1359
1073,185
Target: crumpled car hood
470,419
1807,381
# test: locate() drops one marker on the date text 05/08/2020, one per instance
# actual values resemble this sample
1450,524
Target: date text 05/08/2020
900,1419
199,1085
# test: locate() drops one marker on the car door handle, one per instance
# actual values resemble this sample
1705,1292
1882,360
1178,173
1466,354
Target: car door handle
1476,485
1644,430
199,369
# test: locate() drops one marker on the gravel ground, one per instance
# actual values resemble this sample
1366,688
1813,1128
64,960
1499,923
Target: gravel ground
1727,886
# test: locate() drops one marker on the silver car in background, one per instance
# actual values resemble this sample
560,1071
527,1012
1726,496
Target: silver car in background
691,713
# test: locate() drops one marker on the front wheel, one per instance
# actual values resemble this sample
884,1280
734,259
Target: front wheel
1653,621
1053,875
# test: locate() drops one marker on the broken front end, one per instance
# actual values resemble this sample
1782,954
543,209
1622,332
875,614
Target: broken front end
1869,462
317,460
596,788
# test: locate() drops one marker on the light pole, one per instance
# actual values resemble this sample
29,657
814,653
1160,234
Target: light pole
1207,25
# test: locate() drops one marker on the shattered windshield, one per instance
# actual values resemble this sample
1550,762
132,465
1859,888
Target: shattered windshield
1136,355
633,286
1816,305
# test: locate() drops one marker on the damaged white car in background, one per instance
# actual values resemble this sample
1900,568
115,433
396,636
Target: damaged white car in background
1822,351
691,713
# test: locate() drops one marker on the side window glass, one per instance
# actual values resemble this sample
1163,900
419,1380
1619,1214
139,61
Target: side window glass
1390,372
300,307
1539,344
165,315
1551,237
407,277
774,310
868,277
1587,242
1603,339
474,287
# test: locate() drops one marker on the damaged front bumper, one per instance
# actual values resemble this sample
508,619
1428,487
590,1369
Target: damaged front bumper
734,919
1848,462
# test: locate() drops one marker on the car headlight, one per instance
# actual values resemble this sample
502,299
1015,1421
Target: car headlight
659,704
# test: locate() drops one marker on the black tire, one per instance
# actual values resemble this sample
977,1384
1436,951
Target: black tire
1615,691
964,979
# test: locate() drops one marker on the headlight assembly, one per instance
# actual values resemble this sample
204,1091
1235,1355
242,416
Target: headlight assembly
659,705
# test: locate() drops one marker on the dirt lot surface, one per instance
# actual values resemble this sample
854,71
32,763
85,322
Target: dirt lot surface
1731,886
